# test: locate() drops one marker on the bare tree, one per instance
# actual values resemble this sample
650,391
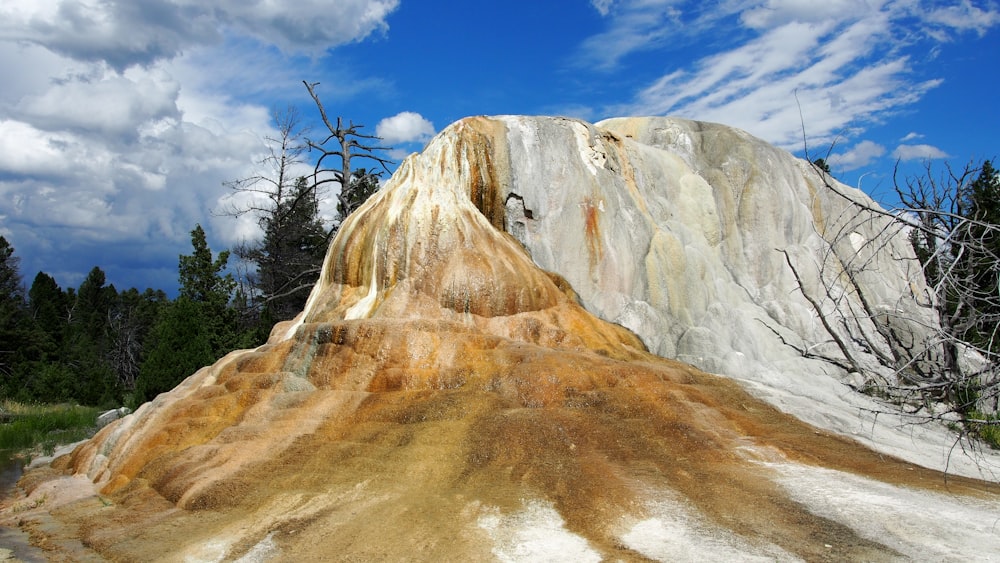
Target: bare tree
957,241
344,142
288,258
277,271
273,182
945,367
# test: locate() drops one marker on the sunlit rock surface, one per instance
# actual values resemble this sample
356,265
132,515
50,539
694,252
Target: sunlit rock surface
450,395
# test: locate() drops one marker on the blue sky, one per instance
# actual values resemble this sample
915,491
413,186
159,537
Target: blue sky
120,120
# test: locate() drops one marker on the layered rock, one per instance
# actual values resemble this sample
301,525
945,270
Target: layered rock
719,250
442,397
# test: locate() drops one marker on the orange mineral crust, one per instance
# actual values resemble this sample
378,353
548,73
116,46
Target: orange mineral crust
442,398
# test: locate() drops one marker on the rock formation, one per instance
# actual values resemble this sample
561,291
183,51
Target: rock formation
457,387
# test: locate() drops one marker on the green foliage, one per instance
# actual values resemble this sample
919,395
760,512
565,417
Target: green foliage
181,344
362,186
98,346
981,262
27,426
196,329
201,278
14,334
49,308
957,240
289,257
988,430
821,164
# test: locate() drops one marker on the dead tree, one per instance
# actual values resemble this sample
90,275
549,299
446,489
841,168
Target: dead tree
273,182
952,371
278,270
957,243
344,142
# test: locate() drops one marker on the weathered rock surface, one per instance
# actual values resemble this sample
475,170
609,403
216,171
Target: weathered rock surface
443,397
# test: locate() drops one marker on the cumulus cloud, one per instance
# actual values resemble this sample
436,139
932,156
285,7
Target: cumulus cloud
405,127
108,105
918,152
141,32
784,64
127,117
860,155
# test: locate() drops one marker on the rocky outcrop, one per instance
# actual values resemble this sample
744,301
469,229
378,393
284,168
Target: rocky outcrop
712,246
716,249
449,394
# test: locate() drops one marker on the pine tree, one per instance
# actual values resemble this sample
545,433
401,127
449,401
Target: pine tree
362,186
980,259
289,257
201,278
49,308
197,328
13,317
88,344
130,321
181,344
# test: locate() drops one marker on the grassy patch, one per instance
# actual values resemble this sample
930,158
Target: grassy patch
988,430
27,426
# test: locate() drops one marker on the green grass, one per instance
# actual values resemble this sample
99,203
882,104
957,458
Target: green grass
45,426
989,431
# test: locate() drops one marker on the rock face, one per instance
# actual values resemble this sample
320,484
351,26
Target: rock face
691,235
451,391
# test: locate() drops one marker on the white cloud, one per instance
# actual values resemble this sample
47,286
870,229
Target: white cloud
963,17
405,127
127,117
25,150
635,25
312,25
109,105
918,152
141,32
779,12
602,6
860,155
911,136
825,67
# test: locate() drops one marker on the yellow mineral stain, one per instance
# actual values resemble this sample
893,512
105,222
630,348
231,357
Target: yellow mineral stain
473,380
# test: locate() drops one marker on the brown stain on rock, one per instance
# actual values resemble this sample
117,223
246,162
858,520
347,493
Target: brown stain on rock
591,208
447,419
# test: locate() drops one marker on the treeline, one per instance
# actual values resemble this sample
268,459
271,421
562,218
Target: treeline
96,345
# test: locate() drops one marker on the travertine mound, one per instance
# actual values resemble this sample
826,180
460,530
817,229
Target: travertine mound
444,398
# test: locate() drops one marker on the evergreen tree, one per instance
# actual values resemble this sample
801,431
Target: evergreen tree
362,186
197,328
201,278
289,257
88,344
284,265
822,165
181,344
44,376
13,332
130,322
980,259
49,309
